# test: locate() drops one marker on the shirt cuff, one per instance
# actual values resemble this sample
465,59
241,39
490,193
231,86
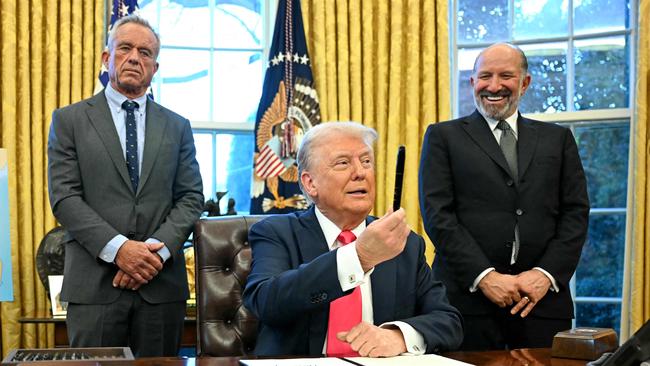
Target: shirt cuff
554,286
109,251
163,252
414,341
479,278
348,267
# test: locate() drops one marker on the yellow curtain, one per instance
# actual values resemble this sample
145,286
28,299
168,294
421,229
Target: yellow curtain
636,301
385,64
49,57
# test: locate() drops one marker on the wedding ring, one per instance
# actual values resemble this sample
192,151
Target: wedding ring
527,298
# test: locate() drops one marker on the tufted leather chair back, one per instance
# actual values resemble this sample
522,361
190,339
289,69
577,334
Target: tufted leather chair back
222,259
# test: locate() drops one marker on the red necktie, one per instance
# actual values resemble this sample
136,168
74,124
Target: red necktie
345,313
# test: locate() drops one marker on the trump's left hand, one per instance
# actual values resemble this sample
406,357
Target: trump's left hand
371,341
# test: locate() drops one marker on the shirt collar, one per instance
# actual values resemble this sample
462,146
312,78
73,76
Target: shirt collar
331,231
512,121
115,100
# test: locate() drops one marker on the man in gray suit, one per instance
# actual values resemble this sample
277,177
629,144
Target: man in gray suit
125,183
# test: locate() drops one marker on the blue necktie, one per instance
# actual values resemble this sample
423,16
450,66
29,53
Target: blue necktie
131,143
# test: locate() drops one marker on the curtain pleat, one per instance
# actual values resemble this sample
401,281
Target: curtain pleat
49,57
636,291
385,64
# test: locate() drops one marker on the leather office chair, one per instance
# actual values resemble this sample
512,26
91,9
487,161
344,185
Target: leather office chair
222,259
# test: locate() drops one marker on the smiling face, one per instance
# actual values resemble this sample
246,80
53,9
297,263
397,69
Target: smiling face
499,81
341,179
131,59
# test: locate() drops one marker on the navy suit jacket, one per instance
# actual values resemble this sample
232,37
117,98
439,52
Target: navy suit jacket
470,204
294,278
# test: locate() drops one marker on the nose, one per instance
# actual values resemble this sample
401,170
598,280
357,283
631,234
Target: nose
494,84
358,170
133,56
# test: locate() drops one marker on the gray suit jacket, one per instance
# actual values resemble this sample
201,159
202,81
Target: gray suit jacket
91,196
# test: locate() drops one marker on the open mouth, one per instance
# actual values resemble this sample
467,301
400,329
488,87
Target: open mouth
358,192
494,97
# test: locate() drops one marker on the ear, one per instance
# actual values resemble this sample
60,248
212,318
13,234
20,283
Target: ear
155,68
526,83
308,184
105,56
471,80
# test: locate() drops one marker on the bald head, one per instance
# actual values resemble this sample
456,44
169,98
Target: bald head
507,48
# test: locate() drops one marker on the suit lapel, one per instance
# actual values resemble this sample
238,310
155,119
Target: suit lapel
156,124
102,120
526,143
478,129
311,243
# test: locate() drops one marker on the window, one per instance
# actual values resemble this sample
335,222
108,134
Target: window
212,63
580,55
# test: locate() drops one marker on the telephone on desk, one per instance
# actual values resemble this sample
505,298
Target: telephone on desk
634,352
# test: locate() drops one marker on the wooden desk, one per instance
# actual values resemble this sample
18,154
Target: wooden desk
61,332
521,357
518,357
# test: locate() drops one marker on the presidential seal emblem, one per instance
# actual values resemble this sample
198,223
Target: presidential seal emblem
278,137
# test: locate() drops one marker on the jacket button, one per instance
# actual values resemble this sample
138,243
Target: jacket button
519,212
510,182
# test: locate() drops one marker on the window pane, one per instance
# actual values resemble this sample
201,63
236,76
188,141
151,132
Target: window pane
183,86
547,66
602,73
180,23
238,85
203,143
234,169
595,16
238,24
466,59
486,21
600,271
603,149
599,315
540,19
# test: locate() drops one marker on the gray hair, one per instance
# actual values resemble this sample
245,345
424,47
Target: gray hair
135,20
524,59
318,135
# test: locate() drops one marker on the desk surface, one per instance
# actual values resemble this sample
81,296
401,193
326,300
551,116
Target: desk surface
519,357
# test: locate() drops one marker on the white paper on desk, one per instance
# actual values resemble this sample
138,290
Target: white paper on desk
423,360
328,361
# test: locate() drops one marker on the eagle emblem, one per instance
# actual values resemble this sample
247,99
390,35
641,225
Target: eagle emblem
279,134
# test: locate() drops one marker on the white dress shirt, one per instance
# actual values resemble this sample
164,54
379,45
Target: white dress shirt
351,275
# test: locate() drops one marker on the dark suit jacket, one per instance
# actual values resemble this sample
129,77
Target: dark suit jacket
91,196
293,279
470,205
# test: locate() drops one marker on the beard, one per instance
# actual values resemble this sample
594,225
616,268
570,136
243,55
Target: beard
494,111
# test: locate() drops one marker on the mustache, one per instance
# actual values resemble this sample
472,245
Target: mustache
500,93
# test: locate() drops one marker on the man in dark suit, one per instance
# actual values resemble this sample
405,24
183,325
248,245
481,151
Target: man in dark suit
304,278
125,183
504,201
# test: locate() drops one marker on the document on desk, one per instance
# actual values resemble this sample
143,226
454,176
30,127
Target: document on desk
423,360
327,361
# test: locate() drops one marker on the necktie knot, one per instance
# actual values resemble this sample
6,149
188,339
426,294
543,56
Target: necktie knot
503,126
346,237
129,105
